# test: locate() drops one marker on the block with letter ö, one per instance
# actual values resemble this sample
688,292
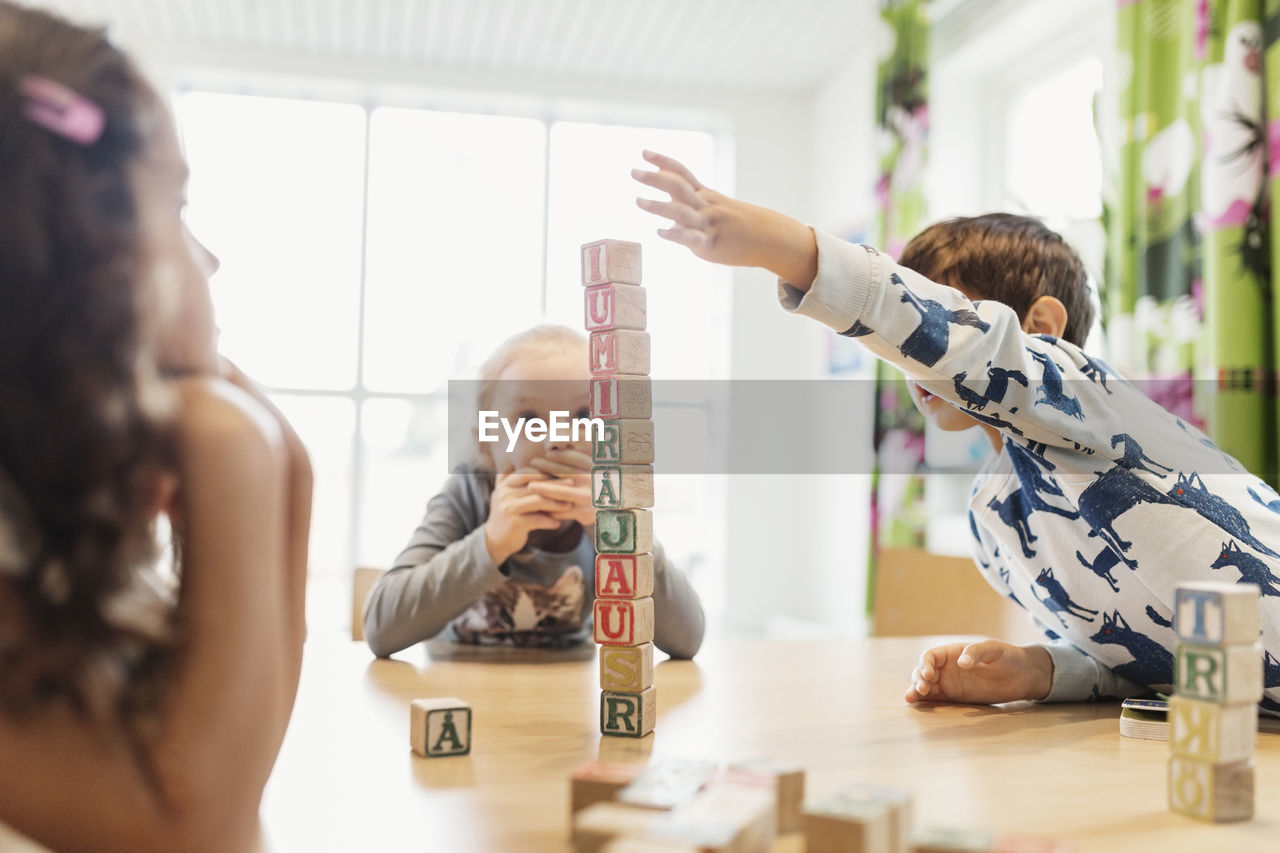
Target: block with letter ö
624,531
1217,792
628,714
440,726
621,396
611,262
623,621
619,351
624,575
1212,732
1216,613
621,486
626,669
624,442
614,306
1226,674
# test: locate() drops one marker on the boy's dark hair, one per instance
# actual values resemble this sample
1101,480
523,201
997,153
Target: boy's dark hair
1006,258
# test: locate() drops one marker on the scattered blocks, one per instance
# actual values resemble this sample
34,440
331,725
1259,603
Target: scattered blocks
440,727
598,781
625,442
597,824
619,351
611,261
628,714
621,396
624,575
724,817
618,486
614,306
667,784
860,817
623,621
628,669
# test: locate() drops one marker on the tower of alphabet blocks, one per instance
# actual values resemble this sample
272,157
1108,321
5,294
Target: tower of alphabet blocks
1213,714
621,484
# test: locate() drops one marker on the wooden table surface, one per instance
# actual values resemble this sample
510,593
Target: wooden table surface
347,781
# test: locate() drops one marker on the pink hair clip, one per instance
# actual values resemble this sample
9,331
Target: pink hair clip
61,110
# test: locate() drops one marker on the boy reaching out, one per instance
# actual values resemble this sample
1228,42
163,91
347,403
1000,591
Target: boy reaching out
1097,502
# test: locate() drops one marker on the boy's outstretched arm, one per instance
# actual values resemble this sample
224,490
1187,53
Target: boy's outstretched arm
727,231
981,673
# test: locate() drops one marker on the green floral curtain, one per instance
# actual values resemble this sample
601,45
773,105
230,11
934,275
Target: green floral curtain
902,114
1189,282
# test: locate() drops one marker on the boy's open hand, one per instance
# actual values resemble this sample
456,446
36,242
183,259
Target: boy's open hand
572,484
724,230
981,673
515,511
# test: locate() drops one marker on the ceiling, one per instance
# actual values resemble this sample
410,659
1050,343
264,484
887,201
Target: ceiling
758,45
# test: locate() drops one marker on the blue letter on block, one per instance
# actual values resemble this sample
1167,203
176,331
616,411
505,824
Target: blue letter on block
1198,614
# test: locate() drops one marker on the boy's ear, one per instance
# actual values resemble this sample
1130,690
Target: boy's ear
1046,316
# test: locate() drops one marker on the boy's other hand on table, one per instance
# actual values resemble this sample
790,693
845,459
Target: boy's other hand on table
981,673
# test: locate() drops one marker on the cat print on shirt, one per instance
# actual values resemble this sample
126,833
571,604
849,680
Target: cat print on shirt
525,615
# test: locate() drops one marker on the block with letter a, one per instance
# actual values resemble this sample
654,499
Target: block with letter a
624,575
611,262
614,306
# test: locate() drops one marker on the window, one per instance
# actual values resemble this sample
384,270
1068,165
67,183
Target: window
370,254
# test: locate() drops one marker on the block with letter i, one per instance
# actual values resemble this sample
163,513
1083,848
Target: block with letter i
440,727
1213,716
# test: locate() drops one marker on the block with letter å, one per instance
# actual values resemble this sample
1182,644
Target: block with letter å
614,306
1226,674
624,531
623,621
624,575
1215,613
626,669
624,442
621,486
628,714
440,726
620,396
611,262
1212,732
619,351
1216,792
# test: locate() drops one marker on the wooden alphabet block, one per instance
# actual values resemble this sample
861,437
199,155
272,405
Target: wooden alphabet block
628,714
597,824
644,845
621,396
936,839
611,261
599,781
614,306
625,442
1211,732
621,486
440,726
619,351
724,817
1226,674
624,531
878,818
624,575
626,669
1215,613
788,780
667,784
623,622
1214,792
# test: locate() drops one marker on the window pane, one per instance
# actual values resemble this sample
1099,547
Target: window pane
456,207
405,455
326,426
591,198
277,192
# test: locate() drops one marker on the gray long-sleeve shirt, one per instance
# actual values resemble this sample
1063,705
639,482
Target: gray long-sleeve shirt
445,583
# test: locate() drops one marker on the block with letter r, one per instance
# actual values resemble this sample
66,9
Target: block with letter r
628,714
1229,675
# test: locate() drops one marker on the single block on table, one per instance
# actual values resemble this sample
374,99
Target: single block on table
611,261
621,486
626,669
440,726
623,621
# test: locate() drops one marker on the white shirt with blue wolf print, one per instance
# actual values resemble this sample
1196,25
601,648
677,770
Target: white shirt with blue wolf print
1100,502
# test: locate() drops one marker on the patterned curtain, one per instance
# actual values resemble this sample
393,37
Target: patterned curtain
902,114
1190,233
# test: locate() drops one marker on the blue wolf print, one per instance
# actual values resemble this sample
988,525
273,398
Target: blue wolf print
1252,570
1154,616
1097,371
1034,483
1134,458
1000,378
1273,505
857,330
972,399
929,341
1059,600
1010,512
1114,493
1215,509
1152,663
1102,565
998,423
1270,670
1051,390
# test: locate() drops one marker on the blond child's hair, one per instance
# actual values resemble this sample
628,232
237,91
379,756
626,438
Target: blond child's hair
538,340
